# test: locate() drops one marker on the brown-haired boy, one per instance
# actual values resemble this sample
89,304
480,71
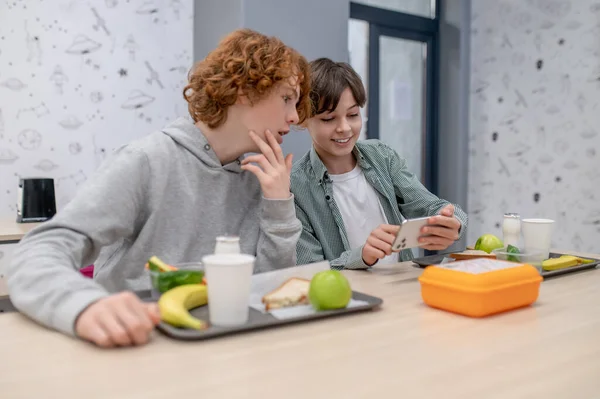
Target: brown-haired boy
170,194
351,196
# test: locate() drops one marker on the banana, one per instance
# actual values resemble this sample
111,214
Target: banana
175,304
560,263
583,261
563,262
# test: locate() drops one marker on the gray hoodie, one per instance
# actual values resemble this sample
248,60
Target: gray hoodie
167,195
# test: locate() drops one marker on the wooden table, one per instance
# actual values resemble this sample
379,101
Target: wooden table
11,231
403,350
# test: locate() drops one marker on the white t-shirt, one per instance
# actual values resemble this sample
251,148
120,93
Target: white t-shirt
359,205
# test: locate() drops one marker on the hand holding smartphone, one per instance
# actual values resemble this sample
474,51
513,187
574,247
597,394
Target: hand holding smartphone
409,233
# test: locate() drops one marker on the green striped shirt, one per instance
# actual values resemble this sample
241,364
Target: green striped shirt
401,194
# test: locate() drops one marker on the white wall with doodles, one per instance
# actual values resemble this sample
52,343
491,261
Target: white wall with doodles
81,77
535,121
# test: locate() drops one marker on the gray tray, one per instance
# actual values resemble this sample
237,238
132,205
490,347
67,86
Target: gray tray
6,305
435,259
258,320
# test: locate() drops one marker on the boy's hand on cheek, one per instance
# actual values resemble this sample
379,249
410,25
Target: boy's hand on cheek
272,169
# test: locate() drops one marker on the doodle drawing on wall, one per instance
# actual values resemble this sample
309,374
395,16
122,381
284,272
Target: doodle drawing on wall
33,46
71,122
82,45
137,99
100,22
38,111
148,7
59,78
7,156
30,139
13,84
131,46
154,76
46,165
73,72
75,148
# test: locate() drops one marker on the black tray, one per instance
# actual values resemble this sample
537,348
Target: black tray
258,320
436,259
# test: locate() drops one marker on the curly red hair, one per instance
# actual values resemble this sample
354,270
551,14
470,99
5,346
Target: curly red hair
246,60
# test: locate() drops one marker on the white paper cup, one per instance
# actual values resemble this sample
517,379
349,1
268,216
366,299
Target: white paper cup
228,279
537,235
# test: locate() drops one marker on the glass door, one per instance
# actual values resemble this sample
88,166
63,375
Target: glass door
402,92
395,54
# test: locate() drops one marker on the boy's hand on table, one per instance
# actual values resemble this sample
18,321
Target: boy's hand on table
118,320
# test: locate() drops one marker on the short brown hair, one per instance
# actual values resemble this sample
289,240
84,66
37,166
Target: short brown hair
328,81
246,60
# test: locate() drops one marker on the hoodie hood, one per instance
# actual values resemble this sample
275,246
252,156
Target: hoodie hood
185,133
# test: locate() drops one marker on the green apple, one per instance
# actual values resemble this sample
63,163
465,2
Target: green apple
488,242
328,290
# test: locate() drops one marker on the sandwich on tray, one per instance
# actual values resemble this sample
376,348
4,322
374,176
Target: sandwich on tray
291,293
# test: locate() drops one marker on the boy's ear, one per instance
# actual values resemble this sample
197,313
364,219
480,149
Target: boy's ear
242,98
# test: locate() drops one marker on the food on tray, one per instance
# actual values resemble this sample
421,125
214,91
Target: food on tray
559,263
165,277
580,261
174,306
511,249
488,242
585,261
168,280
329,290
471,254
157,265
291,293
563,262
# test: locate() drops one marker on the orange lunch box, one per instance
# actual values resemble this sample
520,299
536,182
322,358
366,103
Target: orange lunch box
480,287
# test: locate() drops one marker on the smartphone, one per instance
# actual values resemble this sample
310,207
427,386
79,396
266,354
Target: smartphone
409,233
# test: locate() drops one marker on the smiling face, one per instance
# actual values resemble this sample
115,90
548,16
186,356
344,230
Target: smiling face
337,94
276,111
335,133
